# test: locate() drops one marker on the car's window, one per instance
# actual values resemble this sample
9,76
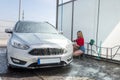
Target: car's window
34,27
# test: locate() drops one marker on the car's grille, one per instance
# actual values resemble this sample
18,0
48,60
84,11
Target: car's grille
47,51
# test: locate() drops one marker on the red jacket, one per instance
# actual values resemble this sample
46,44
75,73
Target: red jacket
80,41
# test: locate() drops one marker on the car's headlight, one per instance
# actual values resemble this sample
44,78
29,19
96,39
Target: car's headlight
69,47
18,44
65,50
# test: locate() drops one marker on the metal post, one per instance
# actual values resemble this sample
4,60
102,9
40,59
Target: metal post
91,50
61,15
107,53
98,16
23,15
72,22
87,48
57,6
19,17
111,53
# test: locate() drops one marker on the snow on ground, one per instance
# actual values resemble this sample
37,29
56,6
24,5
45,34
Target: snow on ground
3,60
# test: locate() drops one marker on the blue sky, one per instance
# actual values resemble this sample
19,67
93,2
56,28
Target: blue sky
35,10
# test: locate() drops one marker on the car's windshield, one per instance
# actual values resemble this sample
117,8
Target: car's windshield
34,27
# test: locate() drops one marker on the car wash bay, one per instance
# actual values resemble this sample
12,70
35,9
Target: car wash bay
80,69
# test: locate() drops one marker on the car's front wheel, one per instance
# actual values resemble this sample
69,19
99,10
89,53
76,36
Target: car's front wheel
8,65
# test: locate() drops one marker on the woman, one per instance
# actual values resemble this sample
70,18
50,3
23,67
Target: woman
79,48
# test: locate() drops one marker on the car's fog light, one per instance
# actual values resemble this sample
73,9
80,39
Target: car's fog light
17,61
69,59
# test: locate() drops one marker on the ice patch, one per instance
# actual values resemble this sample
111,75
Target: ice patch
107,78
2,50
101,74
92,70
3,60
77,78
117,68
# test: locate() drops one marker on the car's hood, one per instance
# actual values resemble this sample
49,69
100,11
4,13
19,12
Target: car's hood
42,38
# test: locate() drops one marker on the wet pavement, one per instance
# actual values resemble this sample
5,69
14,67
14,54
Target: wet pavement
80,69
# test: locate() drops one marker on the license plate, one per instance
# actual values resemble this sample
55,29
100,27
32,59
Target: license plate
48,61
38,61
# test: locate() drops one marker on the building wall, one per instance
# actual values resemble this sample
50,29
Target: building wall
85,18
65,24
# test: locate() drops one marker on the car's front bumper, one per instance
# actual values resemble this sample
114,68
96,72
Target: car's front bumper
21,58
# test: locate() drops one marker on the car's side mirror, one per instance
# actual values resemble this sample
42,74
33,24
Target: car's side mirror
60,32
8,30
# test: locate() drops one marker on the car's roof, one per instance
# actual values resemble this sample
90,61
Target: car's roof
30,21
35,22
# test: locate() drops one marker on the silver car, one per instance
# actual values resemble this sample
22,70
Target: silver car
37,45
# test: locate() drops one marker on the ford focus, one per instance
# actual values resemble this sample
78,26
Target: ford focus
37,45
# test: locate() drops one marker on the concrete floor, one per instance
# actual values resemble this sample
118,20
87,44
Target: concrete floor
80,69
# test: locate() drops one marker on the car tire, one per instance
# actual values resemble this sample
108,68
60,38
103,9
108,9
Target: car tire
8,65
